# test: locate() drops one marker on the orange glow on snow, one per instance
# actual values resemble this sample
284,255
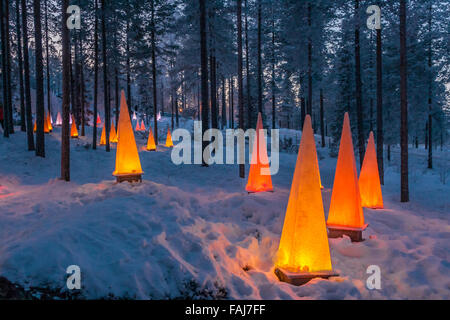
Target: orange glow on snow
257,181
127,156
304,241
345,208
369,178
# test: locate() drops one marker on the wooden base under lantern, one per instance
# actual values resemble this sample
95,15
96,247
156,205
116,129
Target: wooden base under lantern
129,178
301,278
355,234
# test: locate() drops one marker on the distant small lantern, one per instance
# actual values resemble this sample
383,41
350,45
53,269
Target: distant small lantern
73,129
369,178
304,251
59,119
103,136
113,134
259,179
143,126
49,122
151,145
346,216
128,164
169,142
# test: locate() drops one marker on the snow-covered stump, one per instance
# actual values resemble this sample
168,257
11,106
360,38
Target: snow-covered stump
301,278
355,234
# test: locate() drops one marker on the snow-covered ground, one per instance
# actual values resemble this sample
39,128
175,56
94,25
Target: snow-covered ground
189,231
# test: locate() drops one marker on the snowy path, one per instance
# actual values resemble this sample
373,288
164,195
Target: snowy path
194,232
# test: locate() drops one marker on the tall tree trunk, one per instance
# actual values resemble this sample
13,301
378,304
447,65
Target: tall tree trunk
259,44
94,136
155,100
26,64
204,74
322,123
212,69
128,57
224,104
105,78
23,126
49,106
82,89
8,70
240,81
40,109
358,93
116,74
65,134
310,88
273,68
380,135
247,71
430,90
303,110
4,74
404,105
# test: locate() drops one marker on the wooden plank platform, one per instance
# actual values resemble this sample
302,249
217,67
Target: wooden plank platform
299,279
129,178
355,234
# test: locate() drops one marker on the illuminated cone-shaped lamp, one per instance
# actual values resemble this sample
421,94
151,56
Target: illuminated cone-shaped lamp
134,116
143,126
369,178
46,124
151,145
99,120
346,215
138,127
128,164
73,129
59,119
304,251
49,122
35,126
169,142
259,179
103,137
113,134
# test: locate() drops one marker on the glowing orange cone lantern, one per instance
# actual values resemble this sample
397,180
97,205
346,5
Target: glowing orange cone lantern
369,178
35,126
151,145
304,251
113,134
143,126
259,179
103,137
73,129
49,123
46,124
346,215
128,164
169,142
99,120
138,127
